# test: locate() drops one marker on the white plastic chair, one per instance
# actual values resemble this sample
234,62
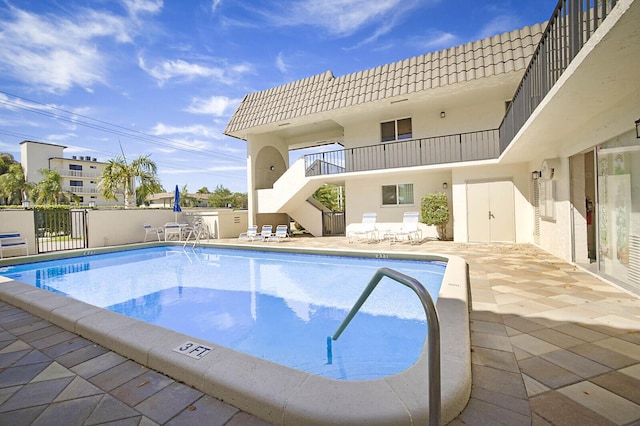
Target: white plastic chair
367,231
171,230
409,229
250,235
152,230
282,231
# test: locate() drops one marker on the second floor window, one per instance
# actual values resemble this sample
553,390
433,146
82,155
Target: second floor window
75,183
396,130
75,167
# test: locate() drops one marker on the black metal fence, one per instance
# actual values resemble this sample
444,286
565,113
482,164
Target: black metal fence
572,24
60,229
480,145
333,223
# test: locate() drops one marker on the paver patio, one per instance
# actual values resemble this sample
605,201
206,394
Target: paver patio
551,345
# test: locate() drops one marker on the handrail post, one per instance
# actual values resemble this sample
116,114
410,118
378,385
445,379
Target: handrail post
433,332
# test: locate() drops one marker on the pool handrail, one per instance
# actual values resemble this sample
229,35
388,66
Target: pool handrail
433,331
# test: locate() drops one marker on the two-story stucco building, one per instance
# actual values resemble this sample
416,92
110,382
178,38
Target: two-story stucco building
80,175
532,134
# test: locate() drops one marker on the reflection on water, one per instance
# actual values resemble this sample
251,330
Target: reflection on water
276,306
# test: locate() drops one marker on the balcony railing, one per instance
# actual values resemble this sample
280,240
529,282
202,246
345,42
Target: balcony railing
482,145
81,190
572,24
79,173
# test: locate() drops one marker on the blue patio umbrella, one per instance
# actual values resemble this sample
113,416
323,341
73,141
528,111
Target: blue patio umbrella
176,203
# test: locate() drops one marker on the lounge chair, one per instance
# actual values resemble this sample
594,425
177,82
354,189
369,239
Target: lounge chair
171,230
409,229
282,231
265,233
152,230
367,231
250,235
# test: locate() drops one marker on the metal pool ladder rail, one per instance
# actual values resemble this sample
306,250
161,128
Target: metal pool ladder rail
433,331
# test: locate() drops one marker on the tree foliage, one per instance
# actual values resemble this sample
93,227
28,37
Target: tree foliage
49,189
434,210
330,196
13,186
222,197
120,177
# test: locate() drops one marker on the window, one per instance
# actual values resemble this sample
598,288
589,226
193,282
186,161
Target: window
396,130
75,183
393,195
75,167
546,191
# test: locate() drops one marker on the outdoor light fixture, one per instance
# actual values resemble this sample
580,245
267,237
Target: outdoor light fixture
638,128
535,175
445,185
26,204
442,114
272,168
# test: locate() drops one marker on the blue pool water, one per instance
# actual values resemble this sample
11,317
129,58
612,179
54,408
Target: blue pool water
277,306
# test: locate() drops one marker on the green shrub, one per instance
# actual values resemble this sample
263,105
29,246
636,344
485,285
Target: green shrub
434,210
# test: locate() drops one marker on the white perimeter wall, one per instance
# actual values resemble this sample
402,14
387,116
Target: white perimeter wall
21,221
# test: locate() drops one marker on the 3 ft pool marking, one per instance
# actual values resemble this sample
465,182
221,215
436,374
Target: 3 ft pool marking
193,350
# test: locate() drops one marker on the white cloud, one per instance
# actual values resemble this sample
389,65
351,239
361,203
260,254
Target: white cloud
135,7
55,53
341,18
161,129
215,105
215,4
436,40
498,25
183,70
280,64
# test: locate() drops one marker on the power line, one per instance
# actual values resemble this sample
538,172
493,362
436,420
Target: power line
108,127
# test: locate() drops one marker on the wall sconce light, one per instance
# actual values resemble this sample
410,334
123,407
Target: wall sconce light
638,128
445,185
26,204
535,175
442,114
272,168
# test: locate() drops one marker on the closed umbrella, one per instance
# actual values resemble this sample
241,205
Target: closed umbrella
176,203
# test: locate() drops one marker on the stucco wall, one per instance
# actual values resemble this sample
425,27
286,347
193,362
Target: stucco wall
21,221
364,195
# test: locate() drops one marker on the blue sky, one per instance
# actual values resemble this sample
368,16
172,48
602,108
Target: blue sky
163,77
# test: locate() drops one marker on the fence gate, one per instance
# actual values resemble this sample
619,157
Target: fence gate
333,223
62,229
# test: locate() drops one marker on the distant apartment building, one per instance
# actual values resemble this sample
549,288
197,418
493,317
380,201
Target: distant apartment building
80,174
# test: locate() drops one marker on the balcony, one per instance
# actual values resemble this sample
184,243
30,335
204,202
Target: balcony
570,27
473,146
92,174
81,190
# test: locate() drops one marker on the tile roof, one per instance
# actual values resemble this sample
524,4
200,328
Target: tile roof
491,56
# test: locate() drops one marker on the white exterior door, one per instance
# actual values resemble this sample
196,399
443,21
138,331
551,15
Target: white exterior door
490,212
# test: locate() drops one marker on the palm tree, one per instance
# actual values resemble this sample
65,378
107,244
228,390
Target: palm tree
119,177
49,189
13,186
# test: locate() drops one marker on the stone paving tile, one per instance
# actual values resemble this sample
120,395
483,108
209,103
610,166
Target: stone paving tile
15,346
245,419
547,373
580,332
490,341
69,413
487,327
502,360
53,339
52,372
21,375
533,386
518,405
500,381
98,364
33,357
35,394
142,387
110,409
621,384
556,338
67,346
532,344
603,355
576,364
25,416
480,412
607,404
40,333
559,410
621,346
81,355
205,411
10,358
169,402
118,375
78,388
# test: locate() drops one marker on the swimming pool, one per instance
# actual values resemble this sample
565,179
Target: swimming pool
274,392
276,306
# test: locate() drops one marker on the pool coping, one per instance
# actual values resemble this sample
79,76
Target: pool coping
278,394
